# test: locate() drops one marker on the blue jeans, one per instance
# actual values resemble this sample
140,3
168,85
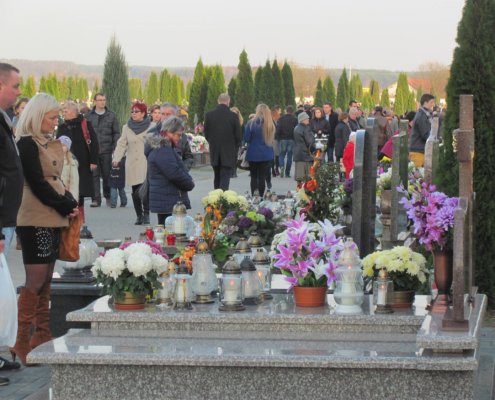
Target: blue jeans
285,148
114,193
9,236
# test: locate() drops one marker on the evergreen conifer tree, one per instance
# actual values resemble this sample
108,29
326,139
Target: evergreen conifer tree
29,87
231,91
401,95
165,83
71,88
83,89
367,103
216,86
43,85
115,81
278,85
419,93
135,90
375,92
188,90
269,94
204,88
63,89
472,72
152,89
196,107
355,88
96,88
411,102
328,91
244,91
288,83
259,86
318,99
343,95
385,99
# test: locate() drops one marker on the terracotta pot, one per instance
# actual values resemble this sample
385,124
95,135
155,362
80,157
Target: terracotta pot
310,296
386,201
443,262
402,299
128,301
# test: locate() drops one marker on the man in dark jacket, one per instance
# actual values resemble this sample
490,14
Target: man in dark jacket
107,130
223,133
285,137
333,119
421,130
11,176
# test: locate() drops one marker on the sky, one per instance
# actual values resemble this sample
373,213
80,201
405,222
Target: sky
362,34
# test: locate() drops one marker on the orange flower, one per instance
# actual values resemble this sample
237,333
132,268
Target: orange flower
209,210
311,185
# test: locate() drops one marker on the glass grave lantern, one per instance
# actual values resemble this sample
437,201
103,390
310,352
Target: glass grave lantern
80,270
204,279
182,292
255,242
179,223
167,285
289,203
262,264
383,288
159,234
231,294
241,250
251,283
348,293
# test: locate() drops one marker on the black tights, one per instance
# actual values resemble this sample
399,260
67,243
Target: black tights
37,276
258,171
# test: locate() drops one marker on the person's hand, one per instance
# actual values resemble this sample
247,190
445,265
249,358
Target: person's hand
92,167
74,213
2,245
115,164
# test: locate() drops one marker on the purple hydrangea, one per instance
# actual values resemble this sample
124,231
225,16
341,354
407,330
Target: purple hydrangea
268,214
244,222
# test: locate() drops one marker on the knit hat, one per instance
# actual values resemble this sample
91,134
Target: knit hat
140,106
302,116
66,141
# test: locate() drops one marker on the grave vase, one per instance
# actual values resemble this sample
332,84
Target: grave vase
386,202
310,296
127,301
402,299
443,263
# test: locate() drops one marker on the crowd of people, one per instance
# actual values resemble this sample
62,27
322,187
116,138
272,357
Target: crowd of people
49,165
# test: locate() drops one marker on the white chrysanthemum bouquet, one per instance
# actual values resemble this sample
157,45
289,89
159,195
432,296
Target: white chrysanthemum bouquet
134,268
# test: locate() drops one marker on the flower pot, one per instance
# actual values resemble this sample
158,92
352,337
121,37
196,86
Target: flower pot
443,262
310,296
402,299
129,301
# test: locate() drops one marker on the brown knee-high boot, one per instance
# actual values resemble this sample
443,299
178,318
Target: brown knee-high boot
42,332
26,304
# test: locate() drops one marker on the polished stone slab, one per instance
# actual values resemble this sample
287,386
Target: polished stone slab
431,335
277,315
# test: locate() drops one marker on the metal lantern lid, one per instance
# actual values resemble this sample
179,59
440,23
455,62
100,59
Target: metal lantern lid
179,209
260,257
231,267
242,246
350,255
247,264
202,246
274,197
85,233
255,240
182,269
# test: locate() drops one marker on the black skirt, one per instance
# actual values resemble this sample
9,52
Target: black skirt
39,245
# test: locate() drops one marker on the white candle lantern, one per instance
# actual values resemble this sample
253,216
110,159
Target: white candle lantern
167,285
348,293
159,234
231,294
241,250
262,264
383,288
251,283
179,223
204,279
255,242
182,293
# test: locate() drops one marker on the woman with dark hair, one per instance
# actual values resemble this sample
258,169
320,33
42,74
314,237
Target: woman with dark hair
18,108
155,114
259,135
169,180
46,207
131,142
319,125
342,132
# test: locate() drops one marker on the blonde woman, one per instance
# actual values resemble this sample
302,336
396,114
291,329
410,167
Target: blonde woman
259,135
46,207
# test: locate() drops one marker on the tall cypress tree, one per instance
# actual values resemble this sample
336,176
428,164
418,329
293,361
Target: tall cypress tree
328,91
385,99
356,88
269,94
401,94
278,85
318,99
43,87
115,81
165,83
29,87
196,107
244,92
71,87
259,86
135,89
343,95
152,94
96,88
367,102
472,72
188,90
216,86
63,89
375,92
411,102
231,88
288,82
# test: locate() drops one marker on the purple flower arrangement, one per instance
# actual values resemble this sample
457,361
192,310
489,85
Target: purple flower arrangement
308,257
432,214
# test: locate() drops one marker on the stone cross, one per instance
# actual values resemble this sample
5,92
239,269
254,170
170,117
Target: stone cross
431,152
364,187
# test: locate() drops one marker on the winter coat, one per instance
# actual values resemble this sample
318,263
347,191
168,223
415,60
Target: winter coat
303,142
70,175
385,129
421,130
223,133
11,176
169,180
184,150
348,159
117,175
45,201
84,153
333,120
342,132
285,127
107,129
354,125
136,164
257,149
320,124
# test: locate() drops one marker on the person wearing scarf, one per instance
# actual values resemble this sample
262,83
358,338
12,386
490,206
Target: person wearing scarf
132,142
